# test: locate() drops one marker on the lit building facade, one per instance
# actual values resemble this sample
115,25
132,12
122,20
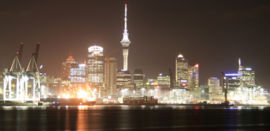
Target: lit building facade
138,78
95,68
248,76
66,66
238,94
241,87
193,79
232,81
181,71
110,75
163,81
215,90
213,84
123,80
151,83
78,74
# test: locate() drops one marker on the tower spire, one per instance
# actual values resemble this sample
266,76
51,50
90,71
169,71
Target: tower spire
125,20
125,38
125,42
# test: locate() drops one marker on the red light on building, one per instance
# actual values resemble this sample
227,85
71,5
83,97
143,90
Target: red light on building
197,65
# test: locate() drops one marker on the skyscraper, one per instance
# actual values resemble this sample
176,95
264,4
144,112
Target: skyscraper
213,84
77,74
232,81
248,75
193,79
110,75
66,66
95,67
215,90
123,80
77,79
125,42
181,71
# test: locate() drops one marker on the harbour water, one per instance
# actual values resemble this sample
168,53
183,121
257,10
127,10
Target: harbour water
124,117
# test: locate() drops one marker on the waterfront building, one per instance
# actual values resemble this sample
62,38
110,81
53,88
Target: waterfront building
78,74
123,80
55,86
95,68
232,81
151,83
138,78
175,96
193,79
163,81
110,75
181,71
214,89
248,75
213,84
77,80
243,95
66,66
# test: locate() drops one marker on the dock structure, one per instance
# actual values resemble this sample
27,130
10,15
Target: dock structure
22,84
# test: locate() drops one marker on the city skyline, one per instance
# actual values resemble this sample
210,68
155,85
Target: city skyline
213,57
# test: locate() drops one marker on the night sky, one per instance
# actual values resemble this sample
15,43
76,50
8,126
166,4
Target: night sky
211,33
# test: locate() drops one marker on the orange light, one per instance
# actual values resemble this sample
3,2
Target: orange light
67,96
82,94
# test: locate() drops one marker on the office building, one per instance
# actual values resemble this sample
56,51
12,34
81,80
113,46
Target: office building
138,78
193,79
163,81
123,80
248,75
181,71
110,75
232,81
214,89
78,74
95,68
66,66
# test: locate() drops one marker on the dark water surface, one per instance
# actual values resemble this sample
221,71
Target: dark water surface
133,118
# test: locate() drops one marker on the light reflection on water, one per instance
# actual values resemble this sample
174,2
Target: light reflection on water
132,107
120,117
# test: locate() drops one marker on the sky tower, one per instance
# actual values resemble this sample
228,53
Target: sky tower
125,42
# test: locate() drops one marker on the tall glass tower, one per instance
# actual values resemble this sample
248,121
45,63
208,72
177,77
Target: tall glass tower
181,71
95,65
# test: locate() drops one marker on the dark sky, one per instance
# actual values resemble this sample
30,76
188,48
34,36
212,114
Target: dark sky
213,33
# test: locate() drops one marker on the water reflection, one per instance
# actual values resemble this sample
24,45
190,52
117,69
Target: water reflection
120,117
81,121
67,119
